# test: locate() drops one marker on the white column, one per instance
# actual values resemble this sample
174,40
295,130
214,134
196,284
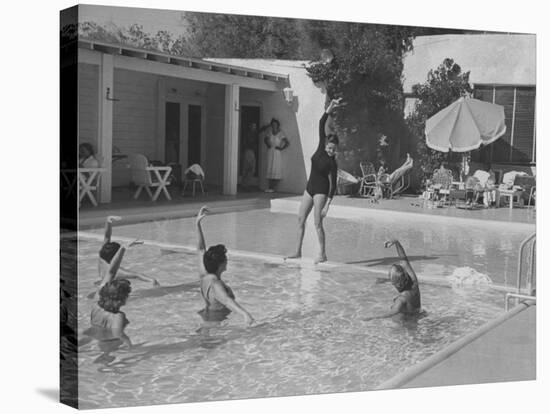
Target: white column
161,119
231,140
105,141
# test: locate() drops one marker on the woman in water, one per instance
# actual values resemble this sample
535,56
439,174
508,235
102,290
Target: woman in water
109,249
219,299
403,278
106,318
321,186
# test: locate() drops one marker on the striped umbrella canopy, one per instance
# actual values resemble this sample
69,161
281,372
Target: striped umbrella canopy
465,125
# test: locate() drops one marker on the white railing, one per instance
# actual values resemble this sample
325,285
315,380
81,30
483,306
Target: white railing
530,296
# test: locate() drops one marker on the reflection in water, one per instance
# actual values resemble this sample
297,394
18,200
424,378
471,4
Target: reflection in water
310,336
478,247
309,285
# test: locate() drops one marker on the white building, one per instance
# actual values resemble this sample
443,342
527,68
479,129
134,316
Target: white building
183,111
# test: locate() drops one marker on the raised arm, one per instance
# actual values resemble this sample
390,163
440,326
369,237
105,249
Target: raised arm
322,122
322,134
222,297
109,228
115,263
404,259
201,244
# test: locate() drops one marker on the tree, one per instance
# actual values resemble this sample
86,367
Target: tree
443,86
366,72
237,36
135,36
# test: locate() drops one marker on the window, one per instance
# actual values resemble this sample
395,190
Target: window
517,145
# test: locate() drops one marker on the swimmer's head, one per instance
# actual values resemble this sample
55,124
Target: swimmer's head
114,295
108,251
399,278
215,259
331,146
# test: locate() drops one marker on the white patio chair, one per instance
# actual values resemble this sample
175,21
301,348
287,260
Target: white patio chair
198,178
148,177
88,182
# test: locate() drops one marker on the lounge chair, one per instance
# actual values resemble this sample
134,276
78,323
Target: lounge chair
368,182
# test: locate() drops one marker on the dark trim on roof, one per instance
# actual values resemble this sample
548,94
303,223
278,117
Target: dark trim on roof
180,60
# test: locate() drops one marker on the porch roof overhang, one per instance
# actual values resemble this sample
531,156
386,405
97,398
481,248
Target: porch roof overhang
159,63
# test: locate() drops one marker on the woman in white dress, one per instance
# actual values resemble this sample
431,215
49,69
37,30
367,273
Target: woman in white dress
276,142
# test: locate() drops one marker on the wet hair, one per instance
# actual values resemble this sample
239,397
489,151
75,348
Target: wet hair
108,251
114,294
399,278
333,139
214,257
88,147
276,121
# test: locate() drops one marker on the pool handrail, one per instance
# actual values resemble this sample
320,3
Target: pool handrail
530,276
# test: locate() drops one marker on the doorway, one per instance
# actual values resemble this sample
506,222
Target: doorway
194,134
172,133
249,149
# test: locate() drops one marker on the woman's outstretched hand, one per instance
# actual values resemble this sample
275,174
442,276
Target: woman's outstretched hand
202,213
389,243
334,103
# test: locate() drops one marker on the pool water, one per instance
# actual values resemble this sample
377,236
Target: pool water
437,250
310,337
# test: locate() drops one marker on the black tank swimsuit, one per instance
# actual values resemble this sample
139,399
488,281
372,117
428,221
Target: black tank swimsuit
322,178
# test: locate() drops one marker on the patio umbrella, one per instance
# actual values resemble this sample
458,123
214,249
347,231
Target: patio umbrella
465,125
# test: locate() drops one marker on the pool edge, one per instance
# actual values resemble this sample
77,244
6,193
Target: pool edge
411,373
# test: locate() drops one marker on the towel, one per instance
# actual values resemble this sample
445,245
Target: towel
195,169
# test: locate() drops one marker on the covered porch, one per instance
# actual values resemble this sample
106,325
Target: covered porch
175,111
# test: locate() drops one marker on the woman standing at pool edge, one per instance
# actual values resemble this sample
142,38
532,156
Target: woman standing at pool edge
321,186
218,297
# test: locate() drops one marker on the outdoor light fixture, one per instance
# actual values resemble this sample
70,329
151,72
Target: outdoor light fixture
108,96
289,95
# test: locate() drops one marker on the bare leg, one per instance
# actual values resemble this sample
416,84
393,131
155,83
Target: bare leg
319,201
305,209
407,165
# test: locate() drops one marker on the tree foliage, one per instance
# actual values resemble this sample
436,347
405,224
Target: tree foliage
135,36
237,36
444,85
366,72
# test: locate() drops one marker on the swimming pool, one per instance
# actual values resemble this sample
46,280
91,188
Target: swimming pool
311,337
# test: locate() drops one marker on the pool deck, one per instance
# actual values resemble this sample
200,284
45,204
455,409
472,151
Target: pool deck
412,207
502,350
342,207
135,211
